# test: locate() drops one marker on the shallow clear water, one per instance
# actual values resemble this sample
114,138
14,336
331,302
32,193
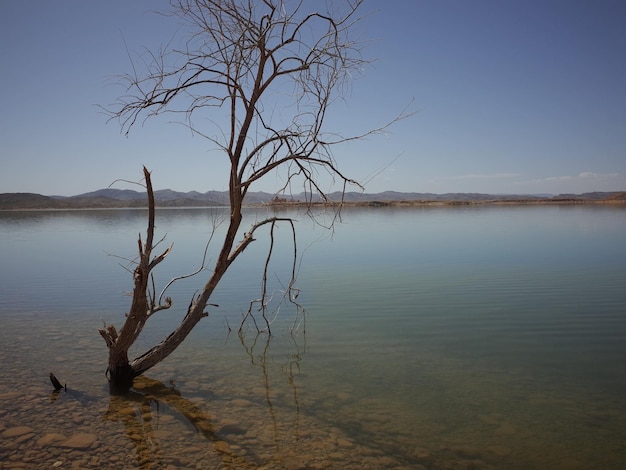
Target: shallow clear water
490,337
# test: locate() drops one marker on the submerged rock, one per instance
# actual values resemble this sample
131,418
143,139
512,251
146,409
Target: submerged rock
16,431
80,441
50,438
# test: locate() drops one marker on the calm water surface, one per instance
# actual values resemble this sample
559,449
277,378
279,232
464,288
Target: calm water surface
437,338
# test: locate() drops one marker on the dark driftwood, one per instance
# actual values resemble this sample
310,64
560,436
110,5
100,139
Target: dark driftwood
56,384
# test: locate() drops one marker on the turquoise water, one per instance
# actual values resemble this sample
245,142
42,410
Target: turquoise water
490,337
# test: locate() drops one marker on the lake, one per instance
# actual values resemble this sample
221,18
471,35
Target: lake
489,337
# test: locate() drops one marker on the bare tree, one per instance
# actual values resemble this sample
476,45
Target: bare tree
271,69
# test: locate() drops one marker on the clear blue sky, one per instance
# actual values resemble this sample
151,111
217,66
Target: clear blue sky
524,96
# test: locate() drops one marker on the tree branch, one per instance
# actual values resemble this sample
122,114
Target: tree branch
250,60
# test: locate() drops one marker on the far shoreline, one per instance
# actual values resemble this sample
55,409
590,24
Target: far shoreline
427,203
285,205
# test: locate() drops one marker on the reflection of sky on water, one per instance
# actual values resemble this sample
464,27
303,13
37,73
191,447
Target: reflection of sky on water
430,318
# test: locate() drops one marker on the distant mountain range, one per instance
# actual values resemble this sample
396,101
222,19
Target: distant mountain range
120,198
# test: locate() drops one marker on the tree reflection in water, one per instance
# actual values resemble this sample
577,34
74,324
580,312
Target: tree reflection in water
257,350
141,408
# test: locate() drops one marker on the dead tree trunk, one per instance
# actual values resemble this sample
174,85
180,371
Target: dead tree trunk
121,371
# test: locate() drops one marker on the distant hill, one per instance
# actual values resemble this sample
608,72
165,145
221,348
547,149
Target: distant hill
119,198
27,201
